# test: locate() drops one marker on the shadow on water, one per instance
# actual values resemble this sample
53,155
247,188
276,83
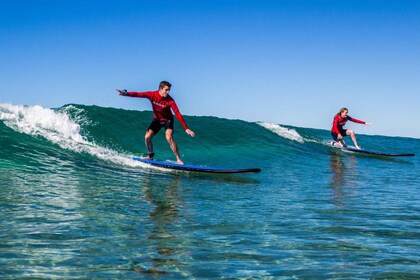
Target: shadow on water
217,178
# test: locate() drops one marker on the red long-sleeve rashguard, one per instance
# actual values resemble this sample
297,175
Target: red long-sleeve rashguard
161,106
339,122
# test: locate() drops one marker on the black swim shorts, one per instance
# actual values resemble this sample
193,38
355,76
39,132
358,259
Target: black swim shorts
157,125
343,133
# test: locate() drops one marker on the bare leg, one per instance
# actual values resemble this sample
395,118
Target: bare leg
353,137
168,133
339,143
148,141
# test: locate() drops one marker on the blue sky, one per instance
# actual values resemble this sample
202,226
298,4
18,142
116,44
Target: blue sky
287,62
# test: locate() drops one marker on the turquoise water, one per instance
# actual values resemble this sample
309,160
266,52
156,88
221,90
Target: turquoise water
74,206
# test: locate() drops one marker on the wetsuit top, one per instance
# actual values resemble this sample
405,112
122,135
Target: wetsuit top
161,106
339,122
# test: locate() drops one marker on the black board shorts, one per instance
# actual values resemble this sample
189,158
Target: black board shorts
157,125
343,133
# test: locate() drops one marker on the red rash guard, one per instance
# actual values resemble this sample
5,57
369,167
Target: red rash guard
161,106
339,122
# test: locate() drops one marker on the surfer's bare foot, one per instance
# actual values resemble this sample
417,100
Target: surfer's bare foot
149,156
179,161
358,147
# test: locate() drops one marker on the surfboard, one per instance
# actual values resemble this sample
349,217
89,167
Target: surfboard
196,168
362,151
368,152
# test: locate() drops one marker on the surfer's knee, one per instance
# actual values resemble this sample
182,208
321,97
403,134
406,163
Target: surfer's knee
350,132
169,139
148,135
168,135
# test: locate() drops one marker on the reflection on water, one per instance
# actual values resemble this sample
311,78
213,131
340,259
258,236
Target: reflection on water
337,168
344,175
164,196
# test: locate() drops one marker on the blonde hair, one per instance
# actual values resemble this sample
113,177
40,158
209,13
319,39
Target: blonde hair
341,111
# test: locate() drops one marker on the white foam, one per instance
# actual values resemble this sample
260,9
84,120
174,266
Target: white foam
58,128
284,132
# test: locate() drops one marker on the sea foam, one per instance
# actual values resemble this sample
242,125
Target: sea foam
58,128
284,132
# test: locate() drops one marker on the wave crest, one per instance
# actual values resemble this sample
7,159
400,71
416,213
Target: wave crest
58,128
284,132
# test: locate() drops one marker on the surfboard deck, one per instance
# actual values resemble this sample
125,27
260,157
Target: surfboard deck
196,168
362,151
368,152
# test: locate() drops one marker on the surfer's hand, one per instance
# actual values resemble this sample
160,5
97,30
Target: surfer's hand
123,92
368,123
190,132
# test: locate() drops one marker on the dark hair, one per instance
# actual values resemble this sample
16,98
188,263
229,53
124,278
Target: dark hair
165,83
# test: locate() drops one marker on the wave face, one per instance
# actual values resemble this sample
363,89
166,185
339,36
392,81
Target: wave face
73,203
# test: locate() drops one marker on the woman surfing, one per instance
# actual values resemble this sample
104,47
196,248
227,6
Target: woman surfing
338,132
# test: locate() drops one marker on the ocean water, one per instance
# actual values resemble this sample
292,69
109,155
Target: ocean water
73,205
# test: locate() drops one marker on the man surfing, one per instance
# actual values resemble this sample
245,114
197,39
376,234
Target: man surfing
338,132
162,104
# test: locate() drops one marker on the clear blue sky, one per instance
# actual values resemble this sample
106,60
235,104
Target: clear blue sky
287,62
